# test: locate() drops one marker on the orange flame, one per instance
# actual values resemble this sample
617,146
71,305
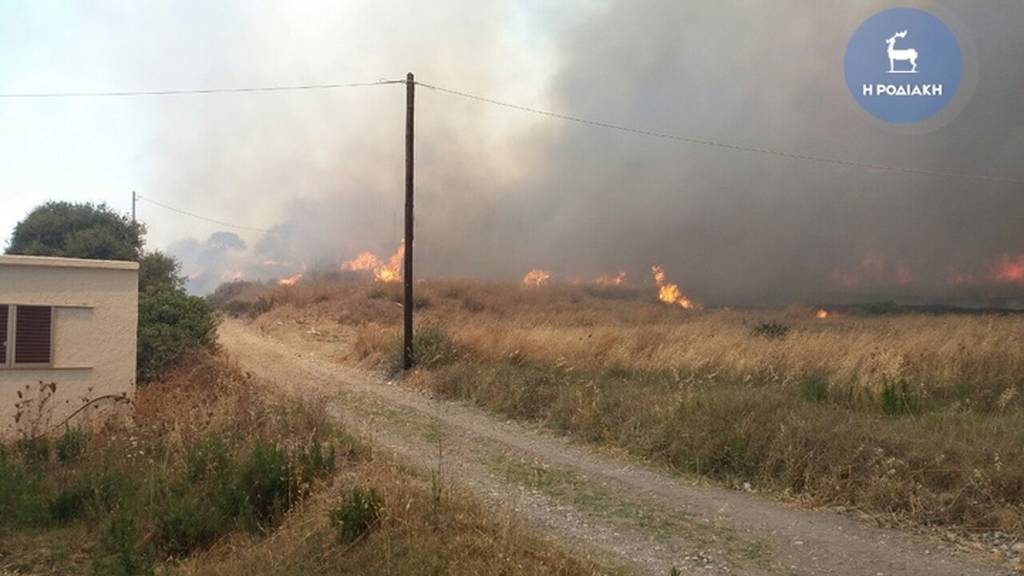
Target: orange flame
365,261
290,281
1010,270
389,271
536,278
821,314
610,280
667,292
392,270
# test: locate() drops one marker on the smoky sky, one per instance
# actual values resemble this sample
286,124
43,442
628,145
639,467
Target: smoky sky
501,191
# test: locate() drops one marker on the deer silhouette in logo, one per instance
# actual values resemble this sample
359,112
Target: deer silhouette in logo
902,55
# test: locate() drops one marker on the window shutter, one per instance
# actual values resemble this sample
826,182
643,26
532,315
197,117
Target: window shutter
3,333
32,335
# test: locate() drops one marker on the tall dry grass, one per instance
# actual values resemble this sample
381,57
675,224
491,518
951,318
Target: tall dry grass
907,417
962,358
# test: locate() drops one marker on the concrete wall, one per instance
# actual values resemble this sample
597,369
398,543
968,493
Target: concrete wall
95,319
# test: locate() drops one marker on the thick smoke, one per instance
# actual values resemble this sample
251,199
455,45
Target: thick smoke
501,191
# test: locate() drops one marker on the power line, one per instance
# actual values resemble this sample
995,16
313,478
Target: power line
724,145
198,217
547,113
185,91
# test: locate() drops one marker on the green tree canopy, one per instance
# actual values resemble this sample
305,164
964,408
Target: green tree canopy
172,324
158,271
77,231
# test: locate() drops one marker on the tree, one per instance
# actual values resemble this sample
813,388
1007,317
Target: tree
158,271
77,231
172,324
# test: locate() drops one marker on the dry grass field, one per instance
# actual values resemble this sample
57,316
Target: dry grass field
909,418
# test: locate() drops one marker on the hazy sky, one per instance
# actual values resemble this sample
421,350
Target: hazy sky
100,149
501,191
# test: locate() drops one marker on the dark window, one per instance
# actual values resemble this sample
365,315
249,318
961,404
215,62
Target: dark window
33,329
3,334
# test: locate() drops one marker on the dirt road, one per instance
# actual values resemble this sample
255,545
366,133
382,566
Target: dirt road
624,515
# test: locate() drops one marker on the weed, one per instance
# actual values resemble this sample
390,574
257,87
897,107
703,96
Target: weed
186,523
814,389
771,330
34,450
264,487
263,305
472,305
114,487
23,501
207,461
357,514
421,301
432,348
71,445
897,399
436,492
71,502
125,553
316,461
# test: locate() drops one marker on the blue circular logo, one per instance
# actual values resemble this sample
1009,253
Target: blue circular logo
903,65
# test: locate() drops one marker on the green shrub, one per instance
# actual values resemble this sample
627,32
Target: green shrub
264,486
472,305
421,301
432,348
207,461
185,522
814,389
771,330
34,450
263,305
316,461
897,398
158,272
171,325
71,445
357,514
23,501
114,487
241,298
881,309
71,502
123,550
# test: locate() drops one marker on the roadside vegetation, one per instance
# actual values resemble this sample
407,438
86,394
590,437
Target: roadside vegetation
221,476
908,418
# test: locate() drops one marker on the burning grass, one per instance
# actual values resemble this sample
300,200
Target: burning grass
219,476
907,417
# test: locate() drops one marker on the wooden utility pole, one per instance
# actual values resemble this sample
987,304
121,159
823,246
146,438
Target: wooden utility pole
410,105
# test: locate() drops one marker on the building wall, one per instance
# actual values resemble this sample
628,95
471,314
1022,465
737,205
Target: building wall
95,319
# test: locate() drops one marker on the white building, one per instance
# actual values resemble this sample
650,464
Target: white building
67,340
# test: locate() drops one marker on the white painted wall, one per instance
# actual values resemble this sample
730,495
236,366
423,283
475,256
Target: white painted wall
95,322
